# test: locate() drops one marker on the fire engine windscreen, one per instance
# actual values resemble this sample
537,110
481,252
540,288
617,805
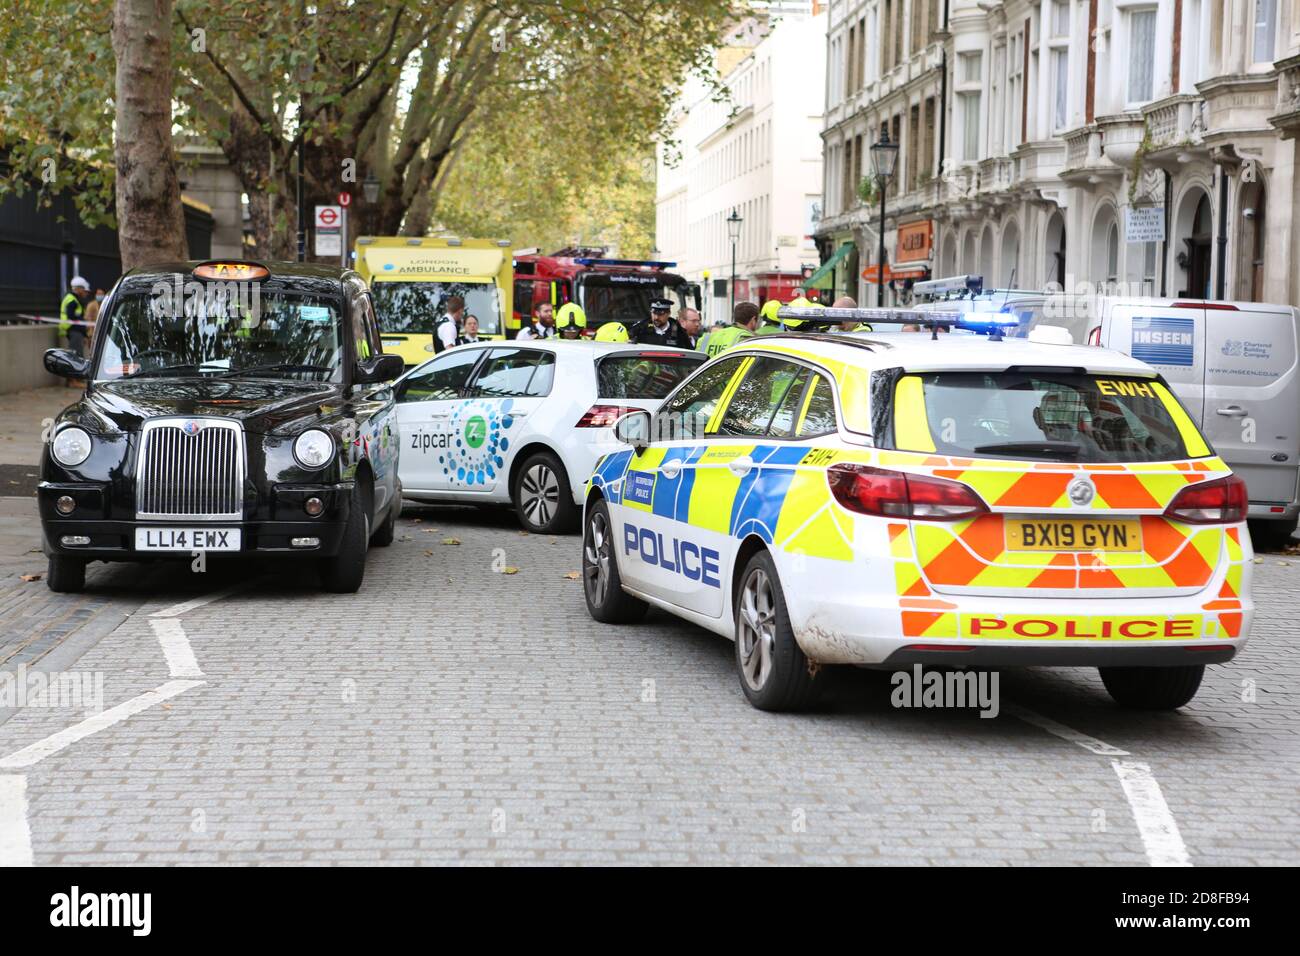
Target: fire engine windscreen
626,298
413,308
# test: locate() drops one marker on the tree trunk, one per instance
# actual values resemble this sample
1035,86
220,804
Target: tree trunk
150,219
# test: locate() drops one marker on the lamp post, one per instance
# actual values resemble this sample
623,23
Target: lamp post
884,157
733,230
370,191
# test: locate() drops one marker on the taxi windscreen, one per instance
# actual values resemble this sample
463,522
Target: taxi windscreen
414,308
1042,414
644,374
221,329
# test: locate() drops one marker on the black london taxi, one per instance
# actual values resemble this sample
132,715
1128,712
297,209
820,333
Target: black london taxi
237,407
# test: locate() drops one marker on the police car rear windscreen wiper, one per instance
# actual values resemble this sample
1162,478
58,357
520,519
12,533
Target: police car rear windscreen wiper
1065,450
275,367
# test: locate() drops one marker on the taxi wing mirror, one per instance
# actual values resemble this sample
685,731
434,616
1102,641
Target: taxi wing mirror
66,363
633,429
381,368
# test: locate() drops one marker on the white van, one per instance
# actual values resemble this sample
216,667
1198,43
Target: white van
1233,365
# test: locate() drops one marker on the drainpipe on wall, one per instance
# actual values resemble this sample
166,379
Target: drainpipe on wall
1224,157
1164,246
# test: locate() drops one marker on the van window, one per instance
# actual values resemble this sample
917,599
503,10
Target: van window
1043,415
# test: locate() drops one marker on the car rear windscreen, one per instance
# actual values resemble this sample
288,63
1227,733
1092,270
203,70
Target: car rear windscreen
1042,414
644,374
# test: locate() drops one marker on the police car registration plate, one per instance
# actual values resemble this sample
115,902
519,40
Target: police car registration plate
1073,534
187,539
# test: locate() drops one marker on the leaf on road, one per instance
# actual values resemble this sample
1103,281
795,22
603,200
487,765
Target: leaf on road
451,540
32,577
509,570
572,575
428,554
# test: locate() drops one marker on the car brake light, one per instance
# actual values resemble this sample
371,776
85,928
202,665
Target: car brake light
896,494
603,416
1216,306
1222,501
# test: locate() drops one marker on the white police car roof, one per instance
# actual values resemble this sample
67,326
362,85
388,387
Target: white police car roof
952,351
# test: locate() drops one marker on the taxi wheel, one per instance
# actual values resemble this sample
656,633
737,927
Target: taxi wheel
774,672
607,602
543,499
66,575
1152,688
387,529
344,572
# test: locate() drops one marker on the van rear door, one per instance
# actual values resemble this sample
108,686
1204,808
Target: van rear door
1171,340
1252,395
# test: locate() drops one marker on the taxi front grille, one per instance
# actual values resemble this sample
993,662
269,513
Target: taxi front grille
190,468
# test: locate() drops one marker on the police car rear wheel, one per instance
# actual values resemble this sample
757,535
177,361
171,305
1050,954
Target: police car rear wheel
1152,688
66,575
606,600
774,672
543,500
344,572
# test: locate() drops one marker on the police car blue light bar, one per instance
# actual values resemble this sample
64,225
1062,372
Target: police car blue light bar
922,318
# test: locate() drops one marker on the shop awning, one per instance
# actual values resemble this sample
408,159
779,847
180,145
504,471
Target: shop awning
904,270
824,277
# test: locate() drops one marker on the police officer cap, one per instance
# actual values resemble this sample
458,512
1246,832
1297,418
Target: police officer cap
661,305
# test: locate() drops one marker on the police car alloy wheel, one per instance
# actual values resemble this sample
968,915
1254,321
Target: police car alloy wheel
602,585
774,673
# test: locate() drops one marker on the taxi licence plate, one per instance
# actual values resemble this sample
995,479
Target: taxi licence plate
1073,534
187,539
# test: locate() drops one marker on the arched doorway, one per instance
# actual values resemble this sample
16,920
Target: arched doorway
948,261
1195,232
986,257
1251,239
1054,244
1103,263
968,253
1010,261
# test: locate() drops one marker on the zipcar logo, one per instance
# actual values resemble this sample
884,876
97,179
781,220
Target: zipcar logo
692,561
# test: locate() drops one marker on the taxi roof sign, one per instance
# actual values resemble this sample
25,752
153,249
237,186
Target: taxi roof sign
231,271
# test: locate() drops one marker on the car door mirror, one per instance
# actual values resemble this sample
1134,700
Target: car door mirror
66,363
381,368
633,429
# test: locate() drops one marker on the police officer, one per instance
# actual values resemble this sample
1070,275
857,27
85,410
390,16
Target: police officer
447,329
570,321
661,329
469,331
744,320
770,323
72,314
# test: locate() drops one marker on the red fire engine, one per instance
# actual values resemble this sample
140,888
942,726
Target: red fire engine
608,290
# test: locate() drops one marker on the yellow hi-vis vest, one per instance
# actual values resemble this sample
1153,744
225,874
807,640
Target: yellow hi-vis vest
71,310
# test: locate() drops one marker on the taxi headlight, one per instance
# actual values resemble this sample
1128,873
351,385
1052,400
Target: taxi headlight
313,448
71,446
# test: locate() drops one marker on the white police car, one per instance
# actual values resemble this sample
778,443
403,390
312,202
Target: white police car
888,499
524,422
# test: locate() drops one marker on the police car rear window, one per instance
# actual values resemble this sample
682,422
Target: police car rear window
643,374
1042,415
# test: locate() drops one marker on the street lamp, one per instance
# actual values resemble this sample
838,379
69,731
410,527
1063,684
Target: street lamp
884,157
733,230
370,192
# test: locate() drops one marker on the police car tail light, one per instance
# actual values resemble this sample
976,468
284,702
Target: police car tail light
1222,501
603,416
896,494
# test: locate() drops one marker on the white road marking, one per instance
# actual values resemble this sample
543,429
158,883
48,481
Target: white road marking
1092,744
15,834
52,744
178,609
1164,844
175,647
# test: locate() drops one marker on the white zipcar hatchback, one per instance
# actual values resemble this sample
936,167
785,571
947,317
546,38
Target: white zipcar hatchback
525,422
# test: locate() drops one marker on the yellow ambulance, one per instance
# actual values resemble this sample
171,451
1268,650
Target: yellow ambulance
412,279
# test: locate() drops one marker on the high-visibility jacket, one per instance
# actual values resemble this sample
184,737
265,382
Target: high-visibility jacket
719,340
71,310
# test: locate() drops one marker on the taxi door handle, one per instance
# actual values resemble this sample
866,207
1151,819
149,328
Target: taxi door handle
1231,411
741,466
670,469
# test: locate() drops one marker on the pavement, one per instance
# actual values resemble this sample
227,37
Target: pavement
453,713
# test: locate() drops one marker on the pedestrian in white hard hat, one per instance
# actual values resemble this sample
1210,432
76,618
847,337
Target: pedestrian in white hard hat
72,314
